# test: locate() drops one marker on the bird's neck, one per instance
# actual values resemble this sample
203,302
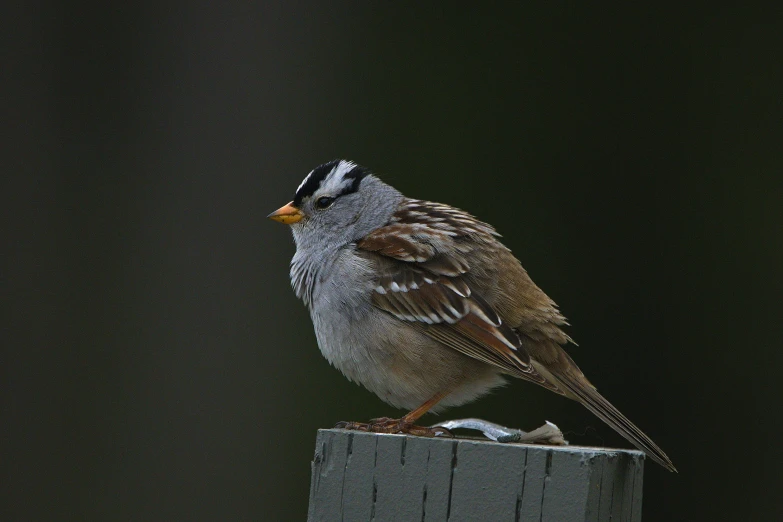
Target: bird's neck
310,267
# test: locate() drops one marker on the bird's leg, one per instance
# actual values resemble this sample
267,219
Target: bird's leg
405,424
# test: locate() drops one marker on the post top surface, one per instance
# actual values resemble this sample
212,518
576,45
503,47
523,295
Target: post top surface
586,450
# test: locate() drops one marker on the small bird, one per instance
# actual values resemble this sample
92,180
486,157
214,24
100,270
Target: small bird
423,305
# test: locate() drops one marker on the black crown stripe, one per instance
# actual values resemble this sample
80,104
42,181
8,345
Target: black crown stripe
317,176
313,181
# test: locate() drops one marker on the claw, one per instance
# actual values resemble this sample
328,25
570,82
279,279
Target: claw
388,425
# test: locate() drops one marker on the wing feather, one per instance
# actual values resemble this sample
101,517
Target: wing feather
421,285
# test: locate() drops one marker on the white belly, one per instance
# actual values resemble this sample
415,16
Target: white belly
400,365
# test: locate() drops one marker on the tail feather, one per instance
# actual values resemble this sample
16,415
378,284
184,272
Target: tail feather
578,388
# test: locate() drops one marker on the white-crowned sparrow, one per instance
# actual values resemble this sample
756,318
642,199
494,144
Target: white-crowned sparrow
420,302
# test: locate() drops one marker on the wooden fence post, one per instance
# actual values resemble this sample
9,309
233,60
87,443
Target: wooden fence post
365,476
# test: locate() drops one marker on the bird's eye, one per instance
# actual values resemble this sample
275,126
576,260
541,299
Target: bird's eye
324,202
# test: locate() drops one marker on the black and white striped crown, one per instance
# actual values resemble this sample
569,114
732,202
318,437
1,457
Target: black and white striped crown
339,176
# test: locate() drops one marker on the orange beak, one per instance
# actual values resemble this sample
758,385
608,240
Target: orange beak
287,214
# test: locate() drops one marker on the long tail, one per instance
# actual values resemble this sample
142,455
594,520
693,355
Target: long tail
578,387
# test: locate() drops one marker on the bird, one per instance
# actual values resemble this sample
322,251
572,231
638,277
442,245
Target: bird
422,304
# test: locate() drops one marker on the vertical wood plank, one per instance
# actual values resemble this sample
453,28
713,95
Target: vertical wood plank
365,476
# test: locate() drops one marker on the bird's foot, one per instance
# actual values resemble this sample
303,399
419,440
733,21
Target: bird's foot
388,425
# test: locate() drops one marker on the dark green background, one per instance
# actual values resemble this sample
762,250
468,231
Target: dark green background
158,367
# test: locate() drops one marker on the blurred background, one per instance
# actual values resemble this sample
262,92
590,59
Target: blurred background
156,364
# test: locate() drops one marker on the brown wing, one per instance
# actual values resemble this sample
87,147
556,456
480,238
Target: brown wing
422,282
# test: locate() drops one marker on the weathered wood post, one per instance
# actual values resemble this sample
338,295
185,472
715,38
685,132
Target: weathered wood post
364,476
